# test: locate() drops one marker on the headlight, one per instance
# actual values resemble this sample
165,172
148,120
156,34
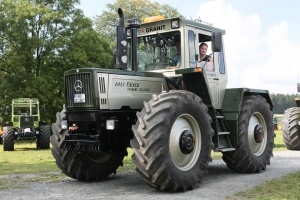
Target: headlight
64,124
110,124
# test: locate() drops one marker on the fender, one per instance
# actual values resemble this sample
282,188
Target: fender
231,106
195,81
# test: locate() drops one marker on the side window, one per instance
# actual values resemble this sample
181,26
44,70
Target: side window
221,62
192,49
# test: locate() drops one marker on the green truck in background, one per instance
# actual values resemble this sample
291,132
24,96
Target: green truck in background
25,124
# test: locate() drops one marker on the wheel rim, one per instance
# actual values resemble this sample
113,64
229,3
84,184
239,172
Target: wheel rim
184,161
98,158
257,146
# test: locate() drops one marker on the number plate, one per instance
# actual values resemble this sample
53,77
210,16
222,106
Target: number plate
79,98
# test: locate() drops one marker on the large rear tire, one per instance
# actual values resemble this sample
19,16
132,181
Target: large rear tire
43,141
172,141
8,138
290,128
83,166
255,137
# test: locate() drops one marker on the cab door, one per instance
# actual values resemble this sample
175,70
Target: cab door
210,69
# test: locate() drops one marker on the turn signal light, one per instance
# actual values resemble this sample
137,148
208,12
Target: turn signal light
154,18
198,69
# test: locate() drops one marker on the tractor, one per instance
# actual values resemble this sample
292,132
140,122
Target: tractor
291,125
25,124
171,113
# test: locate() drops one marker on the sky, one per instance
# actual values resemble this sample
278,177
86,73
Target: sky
262,41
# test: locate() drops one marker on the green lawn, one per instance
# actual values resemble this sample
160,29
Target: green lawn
286,187
26,159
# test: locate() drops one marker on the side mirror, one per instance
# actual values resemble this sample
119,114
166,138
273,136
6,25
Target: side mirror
216,40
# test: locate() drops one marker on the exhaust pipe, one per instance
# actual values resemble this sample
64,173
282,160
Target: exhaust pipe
121,53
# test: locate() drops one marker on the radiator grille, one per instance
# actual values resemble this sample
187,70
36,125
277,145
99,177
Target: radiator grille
83,85
26,121
102,85
102,90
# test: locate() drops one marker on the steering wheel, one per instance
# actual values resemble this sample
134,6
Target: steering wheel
171,61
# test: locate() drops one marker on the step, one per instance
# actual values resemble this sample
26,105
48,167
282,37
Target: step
223,133
227,149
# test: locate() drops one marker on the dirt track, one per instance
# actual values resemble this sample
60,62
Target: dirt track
219,183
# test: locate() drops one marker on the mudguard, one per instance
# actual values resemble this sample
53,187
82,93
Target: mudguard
231,106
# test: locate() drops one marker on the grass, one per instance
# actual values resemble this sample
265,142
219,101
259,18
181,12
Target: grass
286,187
279,144
26,159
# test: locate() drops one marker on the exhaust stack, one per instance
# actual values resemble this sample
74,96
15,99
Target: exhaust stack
121,53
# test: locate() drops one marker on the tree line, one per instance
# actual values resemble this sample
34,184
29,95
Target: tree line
41,39
282,102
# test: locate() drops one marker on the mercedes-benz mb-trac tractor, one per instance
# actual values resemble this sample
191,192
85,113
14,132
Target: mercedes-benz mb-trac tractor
25,124
172,112
291,125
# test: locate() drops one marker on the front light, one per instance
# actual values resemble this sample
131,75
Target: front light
175,23
110,124
64,124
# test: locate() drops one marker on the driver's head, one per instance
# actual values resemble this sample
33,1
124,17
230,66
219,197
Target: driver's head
203,48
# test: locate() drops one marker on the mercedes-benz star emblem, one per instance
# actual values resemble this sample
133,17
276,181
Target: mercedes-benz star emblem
78,86
26,119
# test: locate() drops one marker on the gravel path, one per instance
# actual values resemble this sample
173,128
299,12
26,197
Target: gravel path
219,183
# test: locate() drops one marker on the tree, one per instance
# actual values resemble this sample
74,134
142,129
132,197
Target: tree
282,102
39,40
106,23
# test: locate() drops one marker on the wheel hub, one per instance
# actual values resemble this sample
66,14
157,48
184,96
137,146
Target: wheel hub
258,133
187,142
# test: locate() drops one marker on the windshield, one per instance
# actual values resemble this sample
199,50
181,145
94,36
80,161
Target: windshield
25,109
157,51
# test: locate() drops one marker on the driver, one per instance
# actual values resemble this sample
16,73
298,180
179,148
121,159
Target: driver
176,83
176,57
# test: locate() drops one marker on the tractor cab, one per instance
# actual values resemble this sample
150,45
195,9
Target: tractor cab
166,45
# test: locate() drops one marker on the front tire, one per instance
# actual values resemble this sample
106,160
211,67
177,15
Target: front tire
84,166
8,138
172,141
290,128
255,137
